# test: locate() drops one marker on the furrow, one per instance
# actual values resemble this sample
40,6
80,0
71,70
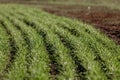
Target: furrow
4,50
18,62
102,51
41,46
28,55
78,53
80,70
54,64
103,66
73,31
13,47
53,48
77,50
103,63
39,58
91,46
83,30
93,34
76,28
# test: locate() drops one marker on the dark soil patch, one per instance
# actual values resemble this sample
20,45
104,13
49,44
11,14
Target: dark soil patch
103,18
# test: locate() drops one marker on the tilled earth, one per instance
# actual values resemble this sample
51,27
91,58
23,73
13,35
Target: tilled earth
105,19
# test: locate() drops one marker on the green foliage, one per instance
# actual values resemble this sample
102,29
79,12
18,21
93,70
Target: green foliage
41,46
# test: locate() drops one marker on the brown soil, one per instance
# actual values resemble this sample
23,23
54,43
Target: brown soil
105,19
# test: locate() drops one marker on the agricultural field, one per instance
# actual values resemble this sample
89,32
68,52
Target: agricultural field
35,45
103,18
102,14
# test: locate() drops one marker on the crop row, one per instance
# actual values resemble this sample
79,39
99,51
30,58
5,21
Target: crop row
43,46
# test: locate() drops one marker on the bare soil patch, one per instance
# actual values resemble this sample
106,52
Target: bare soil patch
103,18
